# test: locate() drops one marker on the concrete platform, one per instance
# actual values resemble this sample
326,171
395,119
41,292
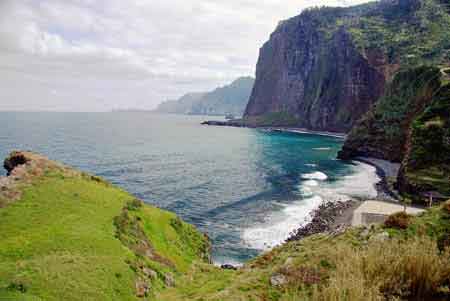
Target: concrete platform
377,211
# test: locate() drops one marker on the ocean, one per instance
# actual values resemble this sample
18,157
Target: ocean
246,188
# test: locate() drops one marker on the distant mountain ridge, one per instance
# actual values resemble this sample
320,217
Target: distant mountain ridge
229,99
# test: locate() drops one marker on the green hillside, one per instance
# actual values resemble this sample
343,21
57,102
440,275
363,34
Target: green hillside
71,236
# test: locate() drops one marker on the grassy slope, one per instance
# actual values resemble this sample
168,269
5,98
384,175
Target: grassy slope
57,242
354,265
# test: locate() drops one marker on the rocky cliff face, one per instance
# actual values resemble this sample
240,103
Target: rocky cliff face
326,67
325,83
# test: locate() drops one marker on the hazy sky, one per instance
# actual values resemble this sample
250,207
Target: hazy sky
95,55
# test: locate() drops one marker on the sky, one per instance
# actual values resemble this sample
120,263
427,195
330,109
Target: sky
98,55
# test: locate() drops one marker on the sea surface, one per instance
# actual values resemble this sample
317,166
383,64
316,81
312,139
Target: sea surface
246,188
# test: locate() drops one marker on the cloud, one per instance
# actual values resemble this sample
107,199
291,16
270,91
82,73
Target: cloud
103,54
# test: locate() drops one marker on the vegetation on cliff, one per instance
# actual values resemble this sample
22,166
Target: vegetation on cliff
410,124
426,166
382,132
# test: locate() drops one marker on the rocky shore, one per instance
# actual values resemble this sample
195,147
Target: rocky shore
242,123
331,217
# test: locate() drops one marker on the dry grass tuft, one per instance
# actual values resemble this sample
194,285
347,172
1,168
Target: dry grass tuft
303,275
388,270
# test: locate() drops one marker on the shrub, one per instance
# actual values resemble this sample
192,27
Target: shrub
133,205
399,220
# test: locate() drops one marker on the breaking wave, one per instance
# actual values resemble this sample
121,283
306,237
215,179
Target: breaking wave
314,190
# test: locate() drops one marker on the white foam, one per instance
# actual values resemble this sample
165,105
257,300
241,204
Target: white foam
318,175
279,225
360,183
322,148
311,165
310,183
226,260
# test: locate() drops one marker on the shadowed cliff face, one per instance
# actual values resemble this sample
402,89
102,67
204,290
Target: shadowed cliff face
327,67
323,81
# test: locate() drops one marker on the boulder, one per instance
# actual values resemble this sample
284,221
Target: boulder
228,267
169,280
278,280
142,288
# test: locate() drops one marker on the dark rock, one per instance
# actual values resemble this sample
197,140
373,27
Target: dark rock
323,220
228,267
325,83
233,123
14,160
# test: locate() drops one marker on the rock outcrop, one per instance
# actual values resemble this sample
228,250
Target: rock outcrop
326,67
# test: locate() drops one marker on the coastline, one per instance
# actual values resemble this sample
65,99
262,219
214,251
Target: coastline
335,217
303,131
384,170
332,217
296,130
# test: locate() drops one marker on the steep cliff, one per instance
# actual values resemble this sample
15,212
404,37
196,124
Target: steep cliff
410,125
426,164
229,99
382,132
325,68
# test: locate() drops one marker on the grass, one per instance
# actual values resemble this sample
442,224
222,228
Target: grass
59,242
411,264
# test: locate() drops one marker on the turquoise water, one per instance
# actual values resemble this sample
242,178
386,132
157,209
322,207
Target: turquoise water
247,189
